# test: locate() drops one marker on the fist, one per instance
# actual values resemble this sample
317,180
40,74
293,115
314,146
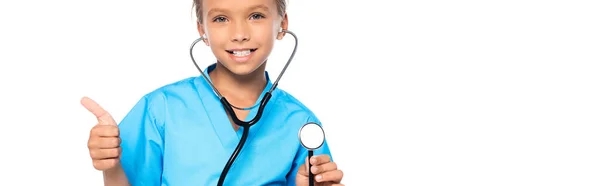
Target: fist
104,142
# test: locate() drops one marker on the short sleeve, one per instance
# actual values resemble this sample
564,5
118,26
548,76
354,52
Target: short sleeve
302,154
142,145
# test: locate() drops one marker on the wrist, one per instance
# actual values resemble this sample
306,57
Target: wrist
115,176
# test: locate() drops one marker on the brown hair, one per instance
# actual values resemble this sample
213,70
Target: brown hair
281,4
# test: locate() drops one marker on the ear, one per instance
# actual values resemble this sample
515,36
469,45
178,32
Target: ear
202,32
284,26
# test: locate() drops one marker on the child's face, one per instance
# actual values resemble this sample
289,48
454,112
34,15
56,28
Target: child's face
241,33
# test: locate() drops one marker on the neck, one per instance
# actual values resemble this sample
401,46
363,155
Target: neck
244,89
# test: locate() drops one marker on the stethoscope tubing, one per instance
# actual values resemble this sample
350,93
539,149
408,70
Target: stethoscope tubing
229,108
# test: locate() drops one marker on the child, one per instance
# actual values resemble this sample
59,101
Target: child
180,134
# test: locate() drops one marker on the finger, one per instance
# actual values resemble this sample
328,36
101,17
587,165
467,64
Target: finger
323,168
333,176
320,159
101,154
337,184
104,143
102,115
105,163
303,169
105,131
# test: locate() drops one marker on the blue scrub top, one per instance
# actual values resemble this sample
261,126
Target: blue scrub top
179,134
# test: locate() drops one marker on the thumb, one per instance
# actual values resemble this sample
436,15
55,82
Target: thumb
104,118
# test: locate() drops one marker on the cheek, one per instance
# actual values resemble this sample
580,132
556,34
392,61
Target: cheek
218,39
264,31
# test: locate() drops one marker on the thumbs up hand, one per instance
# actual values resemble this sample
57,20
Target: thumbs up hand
104,142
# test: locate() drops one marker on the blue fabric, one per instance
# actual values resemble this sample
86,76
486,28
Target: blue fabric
179,134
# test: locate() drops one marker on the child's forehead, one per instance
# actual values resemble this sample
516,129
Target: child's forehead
239,4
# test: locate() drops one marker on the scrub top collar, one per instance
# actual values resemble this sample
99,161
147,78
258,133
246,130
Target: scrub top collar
228,137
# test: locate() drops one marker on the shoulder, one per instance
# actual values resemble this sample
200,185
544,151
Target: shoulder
174,89
174,94
294,108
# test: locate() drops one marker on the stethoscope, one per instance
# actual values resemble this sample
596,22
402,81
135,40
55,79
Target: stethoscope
246,124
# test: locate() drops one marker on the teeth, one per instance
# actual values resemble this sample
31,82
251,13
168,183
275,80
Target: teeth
241,53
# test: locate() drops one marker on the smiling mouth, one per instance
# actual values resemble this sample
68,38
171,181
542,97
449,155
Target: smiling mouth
241,53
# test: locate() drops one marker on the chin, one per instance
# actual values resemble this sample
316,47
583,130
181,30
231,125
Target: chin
241,69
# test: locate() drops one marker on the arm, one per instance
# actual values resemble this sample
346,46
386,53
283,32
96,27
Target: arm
142,145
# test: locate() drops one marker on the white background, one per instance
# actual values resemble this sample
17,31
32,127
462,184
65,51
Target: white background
417,93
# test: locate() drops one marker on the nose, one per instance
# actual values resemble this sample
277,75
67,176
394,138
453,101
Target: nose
240,32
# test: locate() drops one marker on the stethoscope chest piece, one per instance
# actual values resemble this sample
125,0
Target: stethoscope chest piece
312,137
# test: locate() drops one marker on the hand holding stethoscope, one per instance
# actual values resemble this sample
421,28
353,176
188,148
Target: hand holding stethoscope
322,172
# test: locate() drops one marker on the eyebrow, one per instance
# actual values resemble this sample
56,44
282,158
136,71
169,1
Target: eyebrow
261,6
217,10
